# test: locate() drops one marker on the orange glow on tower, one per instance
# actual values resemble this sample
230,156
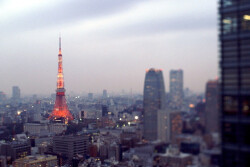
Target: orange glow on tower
60,110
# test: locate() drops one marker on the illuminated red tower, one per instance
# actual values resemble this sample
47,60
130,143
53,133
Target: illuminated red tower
60,110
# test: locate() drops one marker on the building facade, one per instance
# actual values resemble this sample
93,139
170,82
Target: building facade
15,149
176,88
153,101
212,107
71,145
235,81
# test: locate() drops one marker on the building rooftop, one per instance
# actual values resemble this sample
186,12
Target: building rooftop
36,158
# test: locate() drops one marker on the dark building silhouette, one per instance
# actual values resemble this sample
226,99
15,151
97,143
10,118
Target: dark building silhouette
153,101
176,88
105,110
235,82
211,107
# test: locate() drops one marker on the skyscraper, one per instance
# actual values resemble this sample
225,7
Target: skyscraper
16,93
176,88
153,101
212,107
60,110
235,82
105,93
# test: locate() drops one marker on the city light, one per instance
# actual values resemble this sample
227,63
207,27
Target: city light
191,105
19,112
246,17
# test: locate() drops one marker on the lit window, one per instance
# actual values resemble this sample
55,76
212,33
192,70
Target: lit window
229,23
245,21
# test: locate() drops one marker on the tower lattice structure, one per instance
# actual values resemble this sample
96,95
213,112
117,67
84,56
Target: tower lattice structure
60,110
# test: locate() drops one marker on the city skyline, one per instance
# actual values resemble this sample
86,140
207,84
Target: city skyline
106,46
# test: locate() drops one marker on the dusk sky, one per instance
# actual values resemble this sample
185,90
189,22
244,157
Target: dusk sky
106,44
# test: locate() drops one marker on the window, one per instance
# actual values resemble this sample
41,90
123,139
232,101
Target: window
229,157
229,24
230,79
229,49
244,1
245,50
245,21
226,3
246,106
245,157
229,133
245,79
230,105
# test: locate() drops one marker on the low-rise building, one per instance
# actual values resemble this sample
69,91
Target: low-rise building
35,161
70,146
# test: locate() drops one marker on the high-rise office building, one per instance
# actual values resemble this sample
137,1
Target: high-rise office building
16,93
105,93
212,107
153,101
176,88
235,82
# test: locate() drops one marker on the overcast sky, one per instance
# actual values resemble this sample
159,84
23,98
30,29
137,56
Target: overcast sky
106,44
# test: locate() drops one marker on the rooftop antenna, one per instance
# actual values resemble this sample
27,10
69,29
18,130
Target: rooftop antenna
60,50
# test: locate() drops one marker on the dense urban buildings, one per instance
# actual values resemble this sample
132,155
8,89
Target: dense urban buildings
153,103
176,88
235,83
179,128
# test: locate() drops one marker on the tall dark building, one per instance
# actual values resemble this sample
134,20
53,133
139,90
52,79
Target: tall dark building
104,110
154,100
176,88
212,107
235,82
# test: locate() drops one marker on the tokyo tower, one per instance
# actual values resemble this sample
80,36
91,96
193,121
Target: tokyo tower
60,111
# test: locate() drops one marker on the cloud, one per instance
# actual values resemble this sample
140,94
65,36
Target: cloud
62,13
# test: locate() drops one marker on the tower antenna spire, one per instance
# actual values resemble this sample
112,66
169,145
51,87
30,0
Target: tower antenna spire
60,49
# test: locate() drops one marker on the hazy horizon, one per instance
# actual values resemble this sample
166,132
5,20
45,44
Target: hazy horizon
106,44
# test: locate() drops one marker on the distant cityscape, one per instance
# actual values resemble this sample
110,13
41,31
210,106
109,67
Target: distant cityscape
178,128
158,128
